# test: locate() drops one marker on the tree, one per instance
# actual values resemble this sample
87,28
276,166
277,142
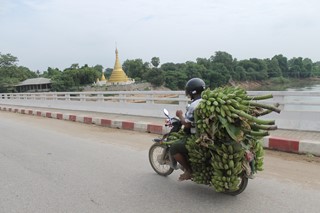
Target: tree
194,70
50,73
155,61
273,68
155,77
283,64
204,62
294,71
134,68
11,74
8,60
98,68
256,69
218,75
7,84
175,76
316,69
215,79
175,80
169,67
74,66
62,83
223,58
307,68
295,67
241,72
88,75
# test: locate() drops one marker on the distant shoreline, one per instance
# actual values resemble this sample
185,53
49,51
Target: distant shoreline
279,84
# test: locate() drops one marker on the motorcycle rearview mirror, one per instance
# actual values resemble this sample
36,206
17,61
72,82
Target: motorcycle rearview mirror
166,112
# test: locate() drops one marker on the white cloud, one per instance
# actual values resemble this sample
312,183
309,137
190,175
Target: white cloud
6,6
57,33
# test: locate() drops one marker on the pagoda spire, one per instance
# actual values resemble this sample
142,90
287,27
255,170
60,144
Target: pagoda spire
103,78
118,75
117,65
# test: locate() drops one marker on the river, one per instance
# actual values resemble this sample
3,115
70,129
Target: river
308,88
309,102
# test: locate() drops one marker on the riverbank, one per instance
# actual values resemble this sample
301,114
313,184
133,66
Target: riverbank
279,84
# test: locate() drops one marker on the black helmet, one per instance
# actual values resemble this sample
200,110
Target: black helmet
195,86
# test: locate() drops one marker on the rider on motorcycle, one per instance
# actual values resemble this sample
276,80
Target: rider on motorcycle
193,90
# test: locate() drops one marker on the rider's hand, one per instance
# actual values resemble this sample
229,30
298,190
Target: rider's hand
179,113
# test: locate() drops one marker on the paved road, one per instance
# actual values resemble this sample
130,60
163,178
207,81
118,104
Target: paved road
49,165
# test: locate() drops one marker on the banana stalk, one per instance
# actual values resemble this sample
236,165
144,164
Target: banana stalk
262,97
264,127
265,106
252,118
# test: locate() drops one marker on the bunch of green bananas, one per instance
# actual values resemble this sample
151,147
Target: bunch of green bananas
227,126
231,109
259,155
216,165
255,146
227,160
199,158
174,136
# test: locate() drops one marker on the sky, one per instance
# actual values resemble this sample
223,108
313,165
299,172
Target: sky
59,33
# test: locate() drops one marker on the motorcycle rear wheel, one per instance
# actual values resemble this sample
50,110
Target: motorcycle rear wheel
157,151
242,186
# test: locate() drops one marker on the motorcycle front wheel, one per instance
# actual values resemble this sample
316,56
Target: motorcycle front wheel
159,159
242,186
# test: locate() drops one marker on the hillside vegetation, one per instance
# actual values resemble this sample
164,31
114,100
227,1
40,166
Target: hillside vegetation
218,70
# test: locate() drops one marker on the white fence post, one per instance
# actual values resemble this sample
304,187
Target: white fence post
122,98
149,99
100,97
82,97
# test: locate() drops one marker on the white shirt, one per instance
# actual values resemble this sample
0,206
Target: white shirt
189,116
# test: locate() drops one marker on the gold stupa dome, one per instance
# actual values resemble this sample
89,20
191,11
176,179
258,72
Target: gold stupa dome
118,75
103,78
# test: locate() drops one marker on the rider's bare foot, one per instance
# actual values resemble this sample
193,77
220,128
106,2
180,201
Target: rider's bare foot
185,176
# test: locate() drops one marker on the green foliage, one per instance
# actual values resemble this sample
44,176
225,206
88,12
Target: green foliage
273,68
134,68
155,61
74,77
280,80
155,77
316,69
7,84
50,73
8,60
225,59
175,80
11,74
217,70
300,68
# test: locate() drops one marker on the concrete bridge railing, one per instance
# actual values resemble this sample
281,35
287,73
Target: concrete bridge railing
300,110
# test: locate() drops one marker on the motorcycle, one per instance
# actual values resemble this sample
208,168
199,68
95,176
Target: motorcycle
164,164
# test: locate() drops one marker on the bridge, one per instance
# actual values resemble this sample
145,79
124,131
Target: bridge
299,110
298,121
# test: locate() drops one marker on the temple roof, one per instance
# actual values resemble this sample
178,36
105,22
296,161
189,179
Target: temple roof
35,81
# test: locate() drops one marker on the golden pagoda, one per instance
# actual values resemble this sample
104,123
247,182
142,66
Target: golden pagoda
103,78
118,75
102,81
